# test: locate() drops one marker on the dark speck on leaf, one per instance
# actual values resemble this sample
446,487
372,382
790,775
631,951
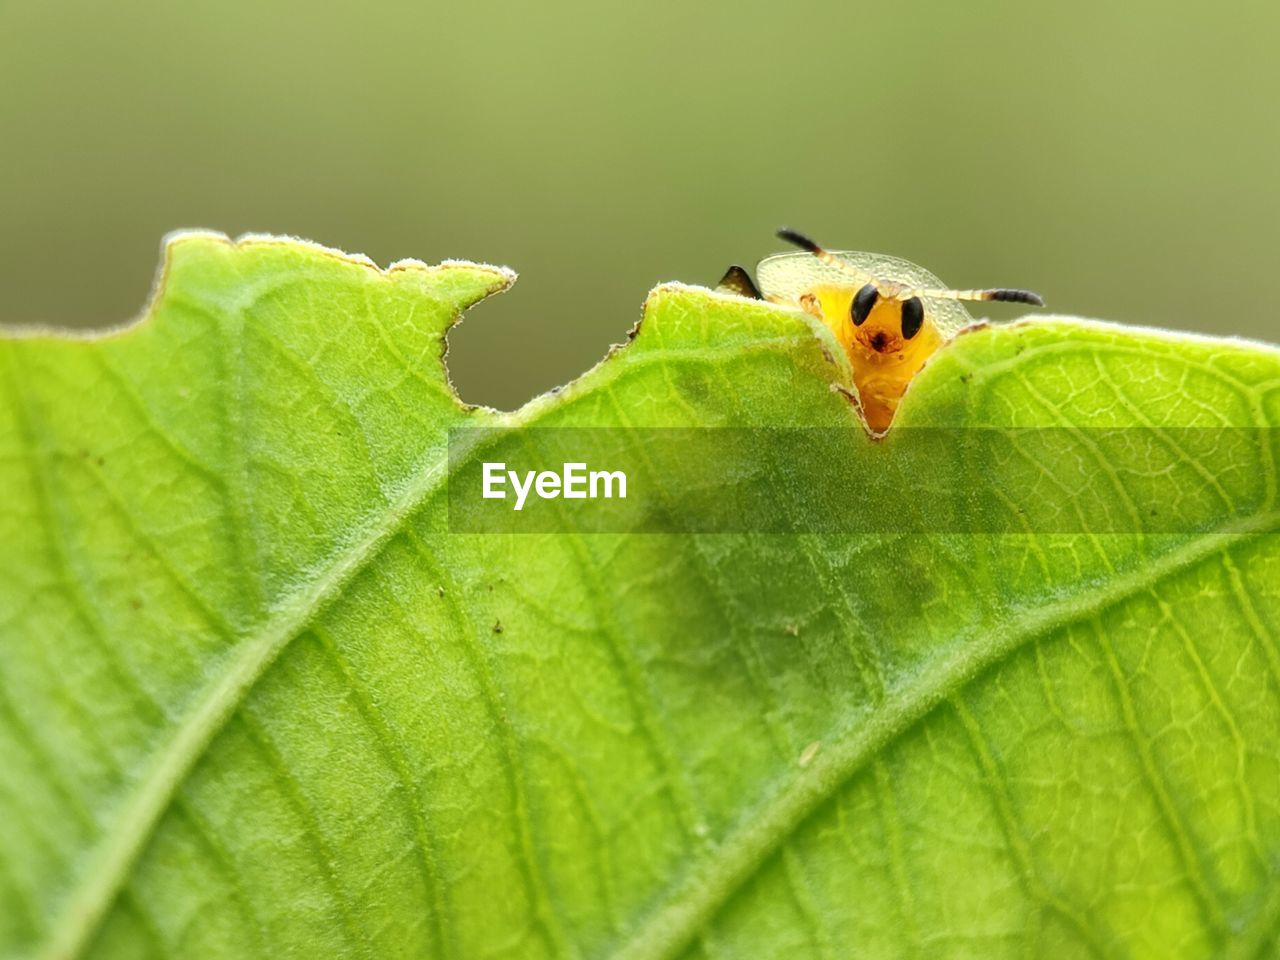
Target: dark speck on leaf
439,591
135,602
497,626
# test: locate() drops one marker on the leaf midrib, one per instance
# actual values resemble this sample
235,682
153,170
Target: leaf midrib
107,867
695,899
671,927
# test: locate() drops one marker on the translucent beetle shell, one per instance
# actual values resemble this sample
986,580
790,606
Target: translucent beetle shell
890,315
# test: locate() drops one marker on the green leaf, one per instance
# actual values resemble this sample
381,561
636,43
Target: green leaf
257,700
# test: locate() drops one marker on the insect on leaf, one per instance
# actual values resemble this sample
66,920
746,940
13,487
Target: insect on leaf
258,699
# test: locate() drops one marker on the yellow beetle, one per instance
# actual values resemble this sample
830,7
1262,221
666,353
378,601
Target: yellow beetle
888,314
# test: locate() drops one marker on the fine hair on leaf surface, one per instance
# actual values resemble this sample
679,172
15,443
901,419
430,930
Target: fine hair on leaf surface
258,699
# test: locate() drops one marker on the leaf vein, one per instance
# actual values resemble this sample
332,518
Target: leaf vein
673,923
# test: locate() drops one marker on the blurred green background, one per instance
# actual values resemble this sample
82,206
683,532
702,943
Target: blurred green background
1120,158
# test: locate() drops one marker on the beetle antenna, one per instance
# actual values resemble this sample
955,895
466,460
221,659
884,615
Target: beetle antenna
1003,294
825,256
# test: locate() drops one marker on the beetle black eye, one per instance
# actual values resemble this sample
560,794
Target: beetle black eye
912,317
865,299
